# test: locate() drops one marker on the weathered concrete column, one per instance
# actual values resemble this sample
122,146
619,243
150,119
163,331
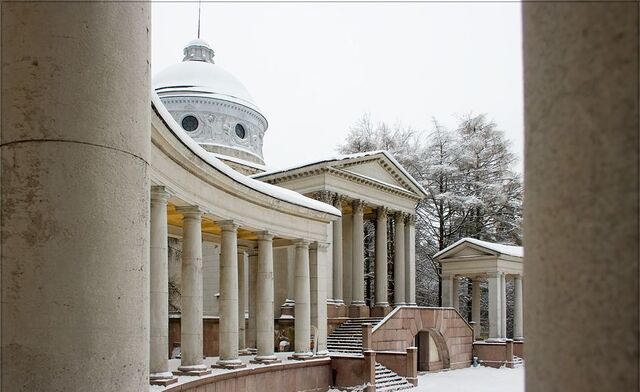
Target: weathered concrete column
581,182
228,334
303,301
242,297
381,259
518,331
447,291
251,338
66,236
159,289
264,300
347,257
410,257
495,306
503,305
455,293
318,260
399,260
357,274
476,303
191,292
337,254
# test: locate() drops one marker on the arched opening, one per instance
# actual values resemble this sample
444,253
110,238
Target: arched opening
432,351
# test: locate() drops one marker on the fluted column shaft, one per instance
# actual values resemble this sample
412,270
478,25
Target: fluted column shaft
518,331
159,286
191,290
337,254
229,295
410,257
303,300
381,258
318,263
357,274
242,296
399,260
264,299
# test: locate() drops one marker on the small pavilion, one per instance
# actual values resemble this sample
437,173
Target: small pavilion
480,260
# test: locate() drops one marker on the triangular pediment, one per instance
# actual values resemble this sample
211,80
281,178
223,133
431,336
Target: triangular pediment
374,170
468,250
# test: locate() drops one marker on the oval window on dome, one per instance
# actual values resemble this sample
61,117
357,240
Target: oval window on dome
240,131
190,123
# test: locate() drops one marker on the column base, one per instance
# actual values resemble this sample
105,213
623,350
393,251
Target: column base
245,352
192,370
519,339
265,359
380,310
162,379
496,340
287,311
229,364
302,356
323,353
358,311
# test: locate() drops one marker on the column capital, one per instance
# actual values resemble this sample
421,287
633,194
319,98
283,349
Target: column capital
382,212
337,200
320,246
323,196
399,216
243,249
411,219
190,212
358,206
228,225
264,236
302,243
159,194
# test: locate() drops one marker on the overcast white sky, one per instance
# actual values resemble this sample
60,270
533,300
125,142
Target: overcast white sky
315,68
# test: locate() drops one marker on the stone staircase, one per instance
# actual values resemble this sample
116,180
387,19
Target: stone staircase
386,380
347,338
518,361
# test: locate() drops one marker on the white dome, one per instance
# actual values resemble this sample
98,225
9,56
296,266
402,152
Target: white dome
194,77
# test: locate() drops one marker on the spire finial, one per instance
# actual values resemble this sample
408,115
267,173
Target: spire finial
199,7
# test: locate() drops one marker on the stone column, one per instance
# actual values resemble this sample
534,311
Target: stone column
303,301
264,300
382,300
337,254
503,306
242,297
476,303
455,293
357,274
291,277
317,265
75,196
399,260
518,333
410,257
495,306
581,210
347,257
159,288
228,333
447,291
253,272
191,293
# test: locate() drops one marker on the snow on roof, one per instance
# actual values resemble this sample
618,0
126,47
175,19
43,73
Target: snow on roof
344,157
259,186
509,250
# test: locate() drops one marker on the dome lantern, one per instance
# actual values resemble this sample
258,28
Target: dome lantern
198,50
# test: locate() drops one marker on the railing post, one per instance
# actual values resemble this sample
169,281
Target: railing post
370,370
509,353
366,337
412,365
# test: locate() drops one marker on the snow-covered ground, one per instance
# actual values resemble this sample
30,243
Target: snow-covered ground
480,379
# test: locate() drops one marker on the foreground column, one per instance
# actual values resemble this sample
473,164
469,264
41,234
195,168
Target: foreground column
455,293
242,297
229,297
75,196
357,308
191,293
495,306
253,271
447,291
264,300
317,265
337,254
382,302
503,305
398,260
159,288
410,257
476,303
347,257
518,333
303,301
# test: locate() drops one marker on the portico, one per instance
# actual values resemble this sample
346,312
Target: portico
490,262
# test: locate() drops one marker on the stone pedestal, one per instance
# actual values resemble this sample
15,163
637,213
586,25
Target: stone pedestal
380,311
358,311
